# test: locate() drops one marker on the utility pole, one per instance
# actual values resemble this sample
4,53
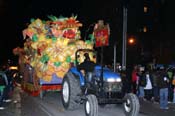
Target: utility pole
124,47
114,57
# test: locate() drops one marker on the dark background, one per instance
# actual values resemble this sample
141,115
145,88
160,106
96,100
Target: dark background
16,14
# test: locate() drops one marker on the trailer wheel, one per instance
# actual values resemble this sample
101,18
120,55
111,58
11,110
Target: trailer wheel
70,91
42,93
91,105
131,105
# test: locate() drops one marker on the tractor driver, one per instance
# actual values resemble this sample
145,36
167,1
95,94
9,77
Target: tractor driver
87,66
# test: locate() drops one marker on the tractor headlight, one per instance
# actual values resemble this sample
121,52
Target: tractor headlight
111,80
118,80
114,80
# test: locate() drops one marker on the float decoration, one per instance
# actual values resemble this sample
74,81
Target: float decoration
51,45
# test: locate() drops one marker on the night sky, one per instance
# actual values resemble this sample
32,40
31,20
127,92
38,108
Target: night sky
15,14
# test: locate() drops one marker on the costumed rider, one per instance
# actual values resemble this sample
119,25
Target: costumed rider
87,67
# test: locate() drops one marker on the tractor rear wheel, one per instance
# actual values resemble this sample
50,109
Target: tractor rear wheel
70,92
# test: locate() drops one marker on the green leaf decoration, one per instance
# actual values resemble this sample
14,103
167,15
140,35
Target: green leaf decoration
53,18
34,38
44,58
45,67
57,64
91,36
44,22
48,37
32,20
88,42
54,39
61,17
76,16
68,59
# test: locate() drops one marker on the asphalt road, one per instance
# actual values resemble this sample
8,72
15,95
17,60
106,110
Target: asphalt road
51,105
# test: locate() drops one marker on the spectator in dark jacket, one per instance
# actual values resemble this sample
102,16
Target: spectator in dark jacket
126,81
170,88
155,78
163,84
141,84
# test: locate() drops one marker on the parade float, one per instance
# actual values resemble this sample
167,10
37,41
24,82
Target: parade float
50,58
48,52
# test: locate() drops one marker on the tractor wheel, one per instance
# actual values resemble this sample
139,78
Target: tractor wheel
70,91
131,105
91,105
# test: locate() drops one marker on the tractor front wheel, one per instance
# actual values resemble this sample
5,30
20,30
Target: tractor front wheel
131,105
91,105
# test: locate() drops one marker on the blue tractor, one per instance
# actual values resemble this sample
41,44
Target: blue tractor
104,87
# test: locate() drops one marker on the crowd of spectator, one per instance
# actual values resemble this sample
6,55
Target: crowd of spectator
154,84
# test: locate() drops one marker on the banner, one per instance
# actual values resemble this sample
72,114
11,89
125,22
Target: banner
101,34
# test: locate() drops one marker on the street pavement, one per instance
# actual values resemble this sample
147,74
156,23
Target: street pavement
13,108
153,109
50,105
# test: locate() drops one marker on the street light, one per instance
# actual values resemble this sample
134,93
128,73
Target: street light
131,41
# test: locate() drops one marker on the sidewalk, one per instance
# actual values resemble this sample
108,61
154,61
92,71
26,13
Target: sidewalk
152,109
